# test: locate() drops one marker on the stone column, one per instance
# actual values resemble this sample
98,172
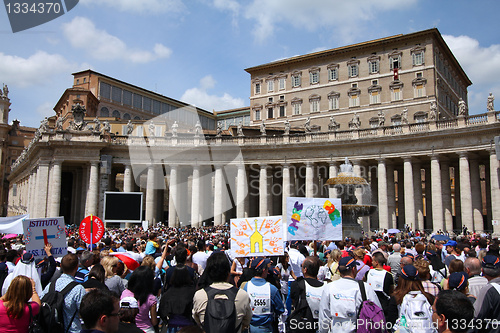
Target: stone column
437,194
42,180
495,190
286,187
310,187
391,195
446,190
417,189
465,192
333,171
93,192
477,202
263,191
151,195
128,179
172,197
218,195
383,204
195,198
55,182
241,190
31,194
409,193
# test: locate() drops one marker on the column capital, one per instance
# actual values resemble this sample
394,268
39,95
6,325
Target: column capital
435,157
463,154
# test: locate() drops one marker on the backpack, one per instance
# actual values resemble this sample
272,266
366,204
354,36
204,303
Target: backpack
415,314
370,316
51,315
301,314
220,314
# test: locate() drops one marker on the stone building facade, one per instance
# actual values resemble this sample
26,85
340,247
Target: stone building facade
430,164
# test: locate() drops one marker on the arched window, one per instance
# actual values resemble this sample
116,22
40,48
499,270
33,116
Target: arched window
126,116
104,112
116,114
137,118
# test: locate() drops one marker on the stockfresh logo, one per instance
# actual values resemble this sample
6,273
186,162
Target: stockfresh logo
26,14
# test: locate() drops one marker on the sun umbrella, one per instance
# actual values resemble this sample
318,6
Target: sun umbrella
440,237
393,231
130,262
9,236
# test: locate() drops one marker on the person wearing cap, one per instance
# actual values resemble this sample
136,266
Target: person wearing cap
453,252
341,300
129,308
100,312
459,281
409,285
472,266
487,305
27,267
265,299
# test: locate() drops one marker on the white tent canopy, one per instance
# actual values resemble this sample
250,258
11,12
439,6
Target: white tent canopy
12,224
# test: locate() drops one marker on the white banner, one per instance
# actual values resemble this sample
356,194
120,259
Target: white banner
51,230
257,236
313,219
12,224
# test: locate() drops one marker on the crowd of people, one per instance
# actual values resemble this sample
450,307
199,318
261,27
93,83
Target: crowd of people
187,280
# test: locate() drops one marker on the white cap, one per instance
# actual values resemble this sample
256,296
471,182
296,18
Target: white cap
129,303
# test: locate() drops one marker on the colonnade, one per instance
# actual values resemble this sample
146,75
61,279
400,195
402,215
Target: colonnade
416,191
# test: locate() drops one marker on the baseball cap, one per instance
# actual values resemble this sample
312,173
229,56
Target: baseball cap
382,243
129,303
259,263
346,263
490,261
409,272
458,280
451,243
27,258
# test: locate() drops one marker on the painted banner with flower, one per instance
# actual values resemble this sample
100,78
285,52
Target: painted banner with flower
313,219
257,236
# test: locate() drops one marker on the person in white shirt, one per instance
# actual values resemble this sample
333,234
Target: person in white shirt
341,300
200,257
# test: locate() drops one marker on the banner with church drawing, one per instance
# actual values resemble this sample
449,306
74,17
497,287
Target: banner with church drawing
313,219
257,236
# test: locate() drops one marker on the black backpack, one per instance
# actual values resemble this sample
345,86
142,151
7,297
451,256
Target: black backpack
301,314
51,315
220,314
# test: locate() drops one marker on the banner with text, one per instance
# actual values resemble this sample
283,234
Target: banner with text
257,236
38,232
313,219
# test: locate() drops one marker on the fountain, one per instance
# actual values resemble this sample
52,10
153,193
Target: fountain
346,183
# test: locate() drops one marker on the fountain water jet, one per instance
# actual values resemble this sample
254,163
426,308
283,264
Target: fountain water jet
346,183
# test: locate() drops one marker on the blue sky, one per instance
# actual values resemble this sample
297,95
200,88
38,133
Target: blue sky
196,50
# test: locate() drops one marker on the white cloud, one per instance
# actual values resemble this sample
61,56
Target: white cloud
46,109
140,6
81,32
201,98
343,17
231,6
482,65
34,70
